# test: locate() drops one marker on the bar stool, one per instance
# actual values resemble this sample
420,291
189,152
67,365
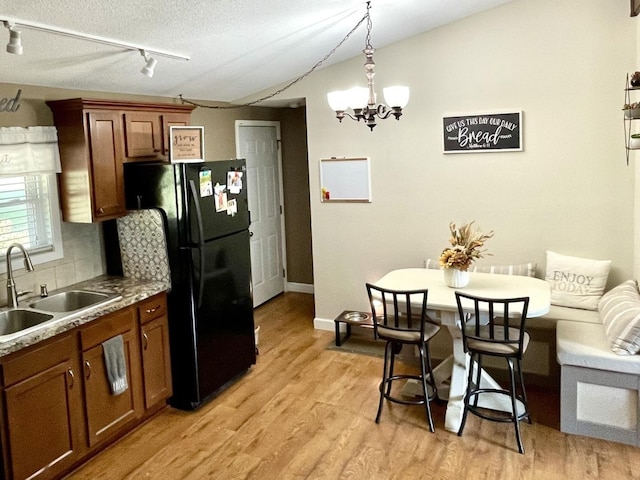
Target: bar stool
496,328
400,318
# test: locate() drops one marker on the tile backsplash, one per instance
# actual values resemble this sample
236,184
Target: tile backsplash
83,246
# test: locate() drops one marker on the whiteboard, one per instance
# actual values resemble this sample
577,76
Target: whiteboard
345,180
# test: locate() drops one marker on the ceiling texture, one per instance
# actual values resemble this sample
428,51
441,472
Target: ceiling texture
236,47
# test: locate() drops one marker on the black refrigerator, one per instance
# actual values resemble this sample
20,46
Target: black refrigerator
210,303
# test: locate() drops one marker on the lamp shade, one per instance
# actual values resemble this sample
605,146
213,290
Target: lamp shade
358,97
338,100
396,96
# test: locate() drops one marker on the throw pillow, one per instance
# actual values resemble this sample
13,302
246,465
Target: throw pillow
620,314
576,282
524,269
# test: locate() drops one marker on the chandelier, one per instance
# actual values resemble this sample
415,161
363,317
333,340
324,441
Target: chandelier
362,100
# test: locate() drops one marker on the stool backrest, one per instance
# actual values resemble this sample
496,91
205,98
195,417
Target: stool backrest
397,310
494,320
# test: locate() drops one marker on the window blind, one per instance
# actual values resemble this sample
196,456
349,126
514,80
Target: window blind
25,213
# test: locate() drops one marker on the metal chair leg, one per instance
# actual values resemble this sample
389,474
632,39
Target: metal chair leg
467,396
425,390
514,405
383,384
524,391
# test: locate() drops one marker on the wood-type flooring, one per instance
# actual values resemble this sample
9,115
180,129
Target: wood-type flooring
305,412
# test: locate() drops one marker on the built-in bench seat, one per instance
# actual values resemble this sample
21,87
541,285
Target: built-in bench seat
600,369
600,390
540,359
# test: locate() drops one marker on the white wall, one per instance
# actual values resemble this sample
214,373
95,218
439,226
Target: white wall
563,62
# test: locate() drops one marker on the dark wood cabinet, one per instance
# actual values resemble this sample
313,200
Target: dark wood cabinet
106,171
57,408
109,414
147,134
154,345
43,400
95,138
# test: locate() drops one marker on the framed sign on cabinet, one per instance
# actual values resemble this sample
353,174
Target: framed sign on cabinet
186,144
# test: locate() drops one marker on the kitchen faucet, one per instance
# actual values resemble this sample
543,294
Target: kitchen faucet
12,294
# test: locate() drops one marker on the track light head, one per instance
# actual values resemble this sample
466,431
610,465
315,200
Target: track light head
150,66
15,41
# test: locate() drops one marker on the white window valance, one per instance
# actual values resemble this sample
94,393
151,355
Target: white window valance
28,150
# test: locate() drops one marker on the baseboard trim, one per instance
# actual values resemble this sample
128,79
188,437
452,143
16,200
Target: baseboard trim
300,287
323,324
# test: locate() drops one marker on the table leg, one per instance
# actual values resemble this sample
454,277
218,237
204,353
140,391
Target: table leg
458,386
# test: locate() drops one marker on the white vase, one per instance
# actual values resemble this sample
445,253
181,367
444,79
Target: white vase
455,278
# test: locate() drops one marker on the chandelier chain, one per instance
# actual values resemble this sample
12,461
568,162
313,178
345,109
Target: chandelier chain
369,27
296,80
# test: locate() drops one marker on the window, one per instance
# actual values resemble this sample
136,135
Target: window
29,215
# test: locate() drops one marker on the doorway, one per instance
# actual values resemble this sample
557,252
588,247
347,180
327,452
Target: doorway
259,143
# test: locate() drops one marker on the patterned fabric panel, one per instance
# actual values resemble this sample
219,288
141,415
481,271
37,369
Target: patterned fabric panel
523,269
143,246
620,314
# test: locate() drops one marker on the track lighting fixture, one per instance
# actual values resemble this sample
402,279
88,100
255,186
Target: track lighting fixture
15,41
149,66
15,44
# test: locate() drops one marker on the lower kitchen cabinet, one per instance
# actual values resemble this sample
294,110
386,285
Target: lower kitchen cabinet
154,344
58,407
109,414
44,411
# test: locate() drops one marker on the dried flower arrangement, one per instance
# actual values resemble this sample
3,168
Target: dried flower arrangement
466,244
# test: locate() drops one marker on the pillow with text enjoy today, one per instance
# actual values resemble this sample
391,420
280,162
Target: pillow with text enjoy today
576,282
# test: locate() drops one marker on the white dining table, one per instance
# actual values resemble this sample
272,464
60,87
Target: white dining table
442,306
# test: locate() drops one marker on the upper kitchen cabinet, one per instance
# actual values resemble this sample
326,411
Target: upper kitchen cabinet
147,133
96,137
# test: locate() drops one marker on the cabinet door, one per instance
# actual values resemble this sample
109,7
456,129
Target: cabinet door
107,413
172,120
45,413
143,134
156,361
107,179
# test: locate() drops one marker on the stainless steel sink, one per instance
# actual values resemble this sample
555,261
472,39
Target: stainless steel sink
16,320
72,300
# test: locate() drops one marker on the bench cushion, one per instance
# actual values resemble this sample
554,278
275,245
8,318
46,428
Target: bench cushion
620,313
557,313
586,345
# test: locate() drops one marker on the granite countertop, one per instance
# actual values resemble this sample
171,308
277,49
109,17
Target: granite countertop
132,291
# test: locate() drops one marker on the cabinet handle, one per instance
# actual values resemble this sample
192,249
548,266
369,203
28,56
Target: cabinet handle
71,377
146,340
153,310
87,369
101,210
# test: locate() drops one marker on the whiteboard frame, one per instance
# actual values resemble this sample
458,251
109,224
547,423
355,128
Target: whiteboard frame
346,179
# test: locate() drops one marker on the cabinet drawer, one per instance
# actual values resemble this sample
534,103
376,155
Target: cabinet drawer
24,365
153,307
114,324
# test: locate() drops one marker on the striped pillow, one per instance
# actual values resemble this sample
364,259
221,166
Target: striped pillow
523,269
620,314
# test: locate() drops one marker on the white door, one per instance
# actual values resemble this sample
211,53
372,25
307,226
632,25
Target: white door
258,142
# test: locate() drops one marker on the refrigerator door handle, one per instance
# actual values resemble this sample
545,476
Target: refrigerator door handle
194,194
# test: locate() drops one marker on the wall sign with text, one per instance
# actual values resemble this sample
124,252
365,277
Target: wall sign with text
487,132
186,144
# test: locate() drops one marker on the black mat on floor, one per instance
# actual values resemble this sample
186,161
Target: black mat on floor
360,344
